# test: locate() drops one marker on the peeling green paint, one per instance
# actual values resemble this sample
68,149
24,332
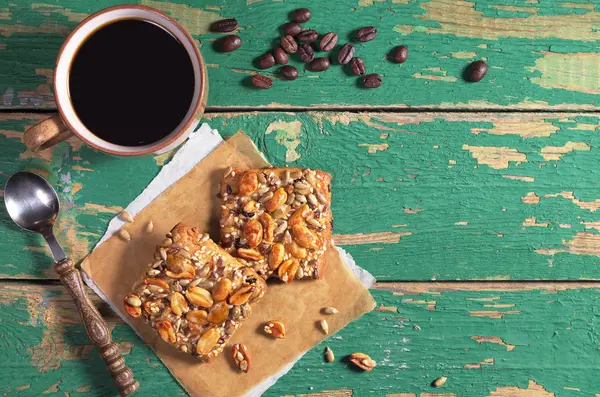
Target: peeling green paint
551,334
518,56
446,177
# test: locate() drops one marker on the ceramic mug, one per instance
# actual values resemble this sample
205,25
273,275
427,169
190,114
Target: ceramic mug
60,127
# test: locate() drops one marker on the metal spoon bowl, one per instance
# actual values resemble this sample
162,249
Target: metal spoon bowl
33,204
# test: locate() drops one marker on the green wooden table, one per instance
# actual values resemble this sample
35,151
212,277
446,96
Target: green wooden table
474,205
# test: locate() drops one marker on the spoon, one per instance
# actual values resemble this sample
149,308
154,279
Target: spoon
33,204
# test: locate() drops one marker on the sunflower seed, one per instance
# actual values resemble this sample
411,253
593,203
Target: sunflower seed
439,382
155,289
126,216
291,198
322,199
157,263
301,198
281,228
324,326
311,177
314,222
124,234
266,197
330,310
149,227
329,354
286,178
312,199
301,186
195,282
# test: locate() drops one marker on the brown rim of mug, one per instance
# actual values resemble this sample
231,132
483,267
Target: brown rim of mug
201,99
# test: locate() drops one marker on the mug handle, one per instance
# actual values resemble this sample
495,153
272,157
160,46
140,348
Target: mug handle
46,133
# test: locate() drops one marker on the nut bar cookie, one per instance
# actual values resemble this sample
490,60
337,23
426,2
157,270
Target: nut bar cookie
195,295
278,220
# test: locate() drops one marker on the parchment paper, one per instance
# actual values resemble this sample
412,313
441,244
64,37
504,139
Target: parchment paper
113,267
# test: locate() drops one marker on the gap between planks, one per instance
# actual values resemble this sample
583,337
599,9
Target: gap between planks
405,286
352,109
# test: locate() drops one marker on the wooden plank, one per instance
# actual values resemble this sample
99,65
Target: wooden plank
542,55
506,340
417,196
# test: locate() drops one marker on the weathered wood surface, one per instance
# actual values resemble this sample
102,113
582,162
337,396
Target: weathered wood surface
542,55
497,340
417,196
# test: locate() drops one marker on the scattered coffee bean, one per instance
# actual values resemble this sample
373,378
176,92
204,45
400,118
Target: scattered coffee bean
229,43
280,56
261,81
266,61
292,28
307,54
289,72
308,36
319,64
346,54
357,66
224,25
366,34
289,45
300,15
372,80
477,70
328,41
399,54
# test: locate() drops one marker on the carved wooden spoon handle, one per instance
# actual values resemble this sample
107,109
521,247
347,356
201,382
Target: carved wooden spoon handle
96,328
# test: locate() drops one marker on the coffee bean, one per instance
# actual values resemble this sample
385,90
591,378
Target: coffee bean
289,72
346,54
366,34
372,80
261,81
308,36
399,54
319,64
229,43
289,45
357,66
477,70
307,54
300,15
266,61
280,56
328,41
224,25
292,28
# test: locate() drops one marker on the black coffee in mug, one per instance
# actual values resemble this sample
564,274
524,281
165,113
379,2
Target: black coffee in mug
131,82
